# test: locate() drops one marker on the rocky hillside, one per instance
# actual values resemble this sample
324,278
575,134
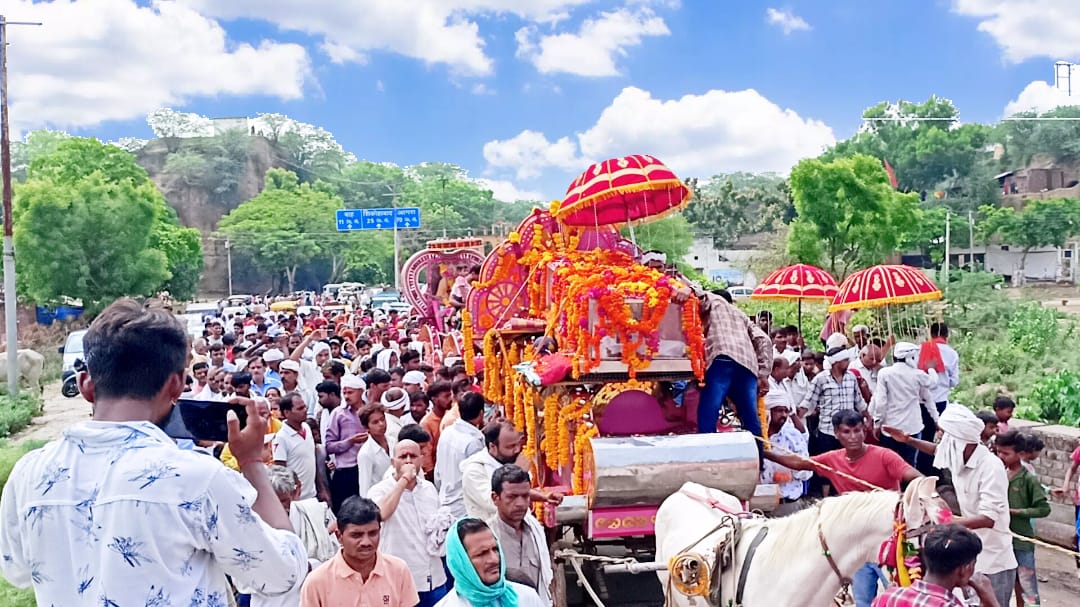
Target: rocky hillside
204,178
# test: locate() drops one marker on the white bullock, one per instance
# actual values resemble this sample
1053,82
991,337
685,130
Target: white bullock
789,566
31,367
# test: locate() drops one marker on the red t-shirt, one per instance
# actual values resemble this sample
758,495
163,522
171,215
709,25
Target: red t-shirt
880,467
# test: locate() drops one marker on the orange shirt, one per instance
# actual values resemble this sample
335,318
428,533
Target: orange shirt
431,423
335,584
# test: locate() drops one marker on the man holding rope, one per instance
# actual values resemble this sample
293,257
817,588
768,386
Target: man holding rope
982,488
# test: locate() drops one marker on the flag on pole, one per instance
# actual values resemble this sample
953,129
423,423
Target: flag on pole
892,175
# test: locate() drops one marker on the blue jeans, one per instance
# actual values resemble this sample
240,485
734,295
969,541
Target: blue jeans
1025,574
864,584
429,598
726,378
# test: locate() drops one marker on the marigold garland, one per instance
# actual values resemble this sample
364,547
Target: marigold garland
569,418
530,425
763,417
549,444
582,451
470,346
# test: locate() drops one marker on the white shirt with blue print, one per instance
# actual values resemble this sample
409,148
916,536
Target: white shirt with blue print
116,515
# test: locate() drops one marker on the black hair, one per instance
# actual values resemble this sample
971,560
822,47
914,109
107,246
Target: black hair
199,365
228,339
399,371
363,341
939,329
426,368
367,411
328,387
1033,443
847,417
285,403
377,376
764,314
131,350
509,473
415,433
418,395
777,361
777,333
335,367
946,548
444,373
471,406
216,347
725,294
241,378
408,355
367,364
1004,402
493,431
469,526
358,510
987,417
461,385
790,329
438,388
1011,438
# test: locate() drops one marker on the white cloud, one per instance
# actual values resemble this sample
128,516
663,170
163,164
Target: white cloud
530,152
594,49
507,191
433,31
481,89
380,87
99,60
1034,28
696,135
708,133
786,20
1039,96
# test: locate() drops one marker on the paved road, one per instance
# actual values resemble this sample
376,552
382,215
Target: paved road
60,412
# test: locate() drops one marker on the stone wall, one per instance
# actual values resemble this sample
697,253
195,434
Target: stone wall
1060,526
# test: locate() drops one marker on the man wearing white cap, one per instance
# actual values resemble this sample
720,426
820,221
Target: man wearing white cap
784,434
260,380
654,259
311,370
290,382
902,390
273,358
982,489
396,403
413,381
344,437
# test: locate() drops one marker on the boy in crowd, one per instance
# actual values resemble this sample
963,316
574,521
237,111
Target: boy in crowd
990,430
1003,410
1027,500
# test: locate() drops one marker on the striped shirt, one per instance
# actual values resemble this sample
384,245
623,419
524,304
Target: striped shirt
918,594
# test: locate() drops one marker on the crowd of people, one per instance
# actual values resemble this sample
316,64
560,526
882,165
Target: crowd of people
367,476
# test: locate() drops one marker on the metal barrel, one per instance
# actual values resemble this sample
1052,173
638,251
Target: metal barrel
645,470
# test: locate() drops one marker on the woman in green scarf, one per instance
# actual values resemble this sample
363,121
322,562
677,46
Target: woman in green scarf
475,560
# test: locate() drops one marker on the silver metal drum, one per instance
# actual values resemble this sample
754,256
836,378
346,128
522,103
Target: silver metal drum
645,470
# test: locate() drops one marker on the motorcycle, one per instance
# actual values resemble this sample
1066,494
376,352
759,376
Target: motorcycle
70,389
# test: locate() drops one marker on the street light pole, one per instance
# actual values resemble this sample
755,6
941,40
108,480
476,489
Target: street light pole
10,317
228,259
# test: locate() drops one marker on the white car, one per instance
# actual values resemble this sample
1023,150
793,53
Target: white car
738,293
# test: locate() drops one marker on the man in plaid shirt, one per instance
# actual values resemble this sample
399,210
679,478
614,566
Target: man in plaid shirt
948,553
738,355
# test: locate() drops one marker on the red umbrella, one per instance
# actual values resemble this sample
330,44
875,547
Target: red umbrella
622,190
800,282
884,285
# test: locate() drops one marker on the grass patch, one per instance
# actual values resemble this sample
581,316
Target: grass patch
9,454
15,597
15,416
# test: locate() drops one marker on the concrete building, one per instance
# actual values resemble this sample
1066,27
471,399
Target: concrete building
732,265
1046,264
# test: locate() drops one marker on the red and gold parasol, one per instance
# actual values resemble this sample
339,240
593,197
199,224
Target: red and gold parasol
800,282
884,285
622,190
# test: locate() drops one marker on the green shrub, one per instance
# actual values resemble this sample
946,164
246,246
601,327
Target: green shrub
15,597
1034,328
9,454
16,416
1056,397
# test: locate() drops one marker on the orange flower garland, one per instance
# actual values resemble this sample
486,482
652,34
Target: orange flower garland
582,451
530,424
569,418
470,346
763,415
549,444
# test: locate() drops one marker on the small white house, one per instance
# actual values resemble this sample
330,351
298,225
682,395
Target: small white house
1042,264
731,266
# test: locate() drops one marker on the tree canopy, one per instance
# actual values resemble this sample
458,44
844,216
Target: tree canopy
848,214
1041,223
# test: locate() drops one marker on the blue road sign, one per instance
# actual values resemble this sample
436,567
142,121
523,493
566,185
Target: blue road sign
349,220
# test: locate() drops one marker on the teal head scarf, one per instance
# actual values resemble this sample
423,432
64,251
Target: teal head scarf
467,582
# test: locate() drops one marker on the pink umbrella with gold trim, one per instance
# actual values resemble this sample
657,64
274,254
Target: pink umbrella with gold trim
620,191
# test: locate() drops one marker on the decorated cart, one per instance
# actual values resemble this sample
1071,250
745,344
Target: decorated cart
586,350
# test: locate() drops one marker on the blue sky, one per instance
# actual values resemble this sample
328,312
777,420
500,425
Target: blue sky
525,93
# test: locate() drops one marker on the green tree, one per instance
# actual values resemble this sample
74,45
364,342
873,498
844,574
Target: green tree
183,250
728,206
287,225
90,224
34,145
848,215
671,235
88,239
1041,223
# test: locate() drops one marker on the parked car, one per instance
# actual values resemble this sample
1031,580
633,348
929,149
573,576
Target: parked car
738,293
73,353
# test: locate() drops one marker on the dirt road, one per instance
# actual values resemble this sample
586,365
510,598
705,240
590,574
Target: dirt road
60,412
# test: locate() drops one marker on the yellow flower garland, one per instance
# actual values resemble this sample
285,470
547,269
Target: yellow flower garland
582,449
763,415
470,347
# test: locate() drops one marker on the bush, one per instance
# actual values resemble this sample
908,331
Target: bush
1034,328
9,454
16,416
15,597
1056,397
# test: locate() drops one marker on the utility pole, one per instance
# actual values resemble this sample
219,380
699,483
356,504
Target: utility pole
971,242
945,269
228,260
397,247
10,317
